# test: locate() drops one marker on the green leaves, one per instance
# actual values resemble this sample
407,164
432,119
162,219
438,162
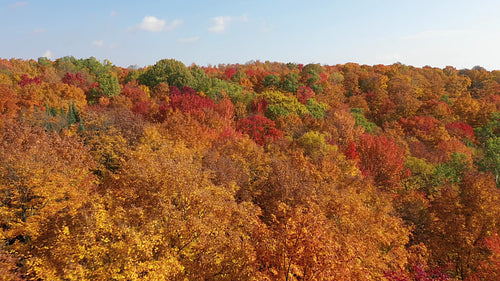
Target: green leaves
359,116
169,71
108,83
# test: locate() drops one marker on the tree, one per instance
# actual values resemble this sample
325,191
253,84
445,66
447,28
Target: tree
282,104
260,129
45,183
460,220
271,81
169,71
381,159
188,101
491,159
361,121
490,268
168,221
8,102
290,82
315,144
304,94
108,84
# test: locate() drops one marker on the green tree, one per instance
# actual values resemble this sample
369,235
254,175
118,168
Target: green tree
271,81
316,109
451,171
290,83
169,71
359,116
491,160
109,85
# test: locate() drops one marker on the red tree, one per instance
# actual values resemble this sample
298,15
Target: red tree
25,80
188,101
260,129
381,159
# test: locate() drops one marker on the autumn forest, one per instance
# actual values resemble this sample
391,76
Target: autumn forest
256,171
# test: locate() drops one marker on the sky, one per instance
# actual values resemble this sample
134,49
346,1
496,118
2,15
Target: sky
437,33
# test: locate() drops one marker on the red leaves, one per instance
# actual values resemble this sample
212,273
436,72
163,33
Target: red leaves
418,274
259,105
260,129
133,92
188,101
351,152
76,80
230,72
381,158
25,80
460,130
304,93
490,269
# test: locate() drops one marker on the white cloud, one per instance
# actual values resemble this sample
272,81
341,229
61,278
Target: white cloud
48,54
113,13
189,40
154,24
18,4
98,43
220,24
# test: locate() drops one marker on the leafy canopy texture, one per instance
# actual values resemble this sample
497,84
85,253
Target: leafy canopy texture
256,171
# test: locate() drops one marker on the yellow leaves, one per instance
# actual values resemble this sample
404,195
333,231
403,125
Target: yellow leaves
315,144
45,180
152,137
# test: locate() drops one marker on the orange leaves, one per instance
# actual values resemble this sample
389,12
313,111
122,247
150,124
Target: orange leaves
8,102
45,181
461,220
196,184
490,268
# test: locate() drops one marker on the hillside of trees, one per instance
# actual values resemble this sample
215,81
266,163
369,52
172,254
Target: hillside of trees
261,171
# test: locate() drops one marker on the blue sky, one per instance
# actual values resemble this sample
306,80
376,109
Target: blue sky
436,33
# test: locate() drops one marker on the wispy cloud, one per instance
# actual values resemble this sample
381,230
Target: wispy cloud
48,54
18,4
189,40
220,24
98,43
154,24
173,25
113,13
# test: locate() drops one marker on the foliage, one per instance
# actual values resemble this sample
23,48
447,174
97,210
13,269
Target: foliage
358,114
261,171
281,104
260,129
381,159
316,109
169,71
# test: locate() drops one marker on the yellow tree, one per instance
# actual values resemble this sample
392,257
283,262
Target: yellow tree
45,181
165,220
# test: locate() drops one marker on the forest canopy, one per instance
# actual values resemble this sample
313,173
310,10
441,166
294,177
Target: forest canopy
257,171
